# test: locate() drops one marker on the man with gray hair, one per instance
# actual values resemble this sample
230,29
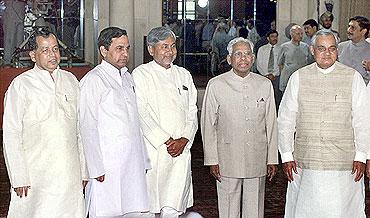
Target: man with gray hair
166,97
324,135
293,55
239,134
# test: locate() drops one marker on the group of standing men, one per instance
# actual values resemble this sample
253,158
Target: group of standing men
128,137
322,131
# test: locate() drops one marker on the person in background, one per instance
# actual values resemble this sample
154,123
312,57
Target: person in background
253,35
355,52
310,27
326,21
13,27
267,63
293,55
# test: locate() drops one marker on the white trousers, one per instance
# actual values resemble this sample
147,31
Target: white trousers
240,195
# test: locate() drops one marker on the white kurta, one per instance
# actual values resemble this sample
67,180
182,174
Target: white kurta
167,107
113,142
329,194
41,146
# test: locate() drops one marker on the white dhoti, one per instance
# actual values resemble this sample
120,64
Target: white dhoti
325,194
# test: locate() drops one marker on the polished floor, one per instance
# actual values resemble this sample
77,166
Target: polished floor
204,189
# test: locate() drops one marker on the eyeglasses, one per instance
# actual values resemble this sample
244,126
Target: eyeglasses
239,54
330,49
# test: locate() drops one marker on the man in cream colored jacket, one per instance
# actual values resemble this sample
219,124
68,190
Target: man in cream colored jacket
239,134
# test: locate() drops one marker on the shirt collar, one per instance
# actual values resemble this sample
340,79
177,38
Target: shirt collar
160,68
327,70
113,69
360,43
239,78
45,72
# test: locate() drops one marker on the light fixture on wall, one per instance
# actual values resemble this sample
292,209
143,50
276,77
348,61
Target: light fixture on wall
202,3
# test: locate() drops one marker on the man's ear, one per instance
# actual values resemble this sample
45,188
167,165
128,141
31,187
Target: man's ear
363,31
103,51
151,50
32,54
228,58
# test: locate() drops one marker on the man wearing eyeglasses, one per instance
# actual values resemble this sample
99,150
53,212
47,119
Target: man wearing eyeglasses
324,134
239,134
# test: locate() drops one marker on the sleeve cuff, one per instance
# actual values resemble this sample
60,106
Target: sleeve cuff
158,138
286,157
361,156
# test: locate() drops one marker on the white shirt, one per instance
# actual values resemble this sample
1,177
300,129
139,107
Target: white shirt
113,142
41,146
167,107
263,56
289,108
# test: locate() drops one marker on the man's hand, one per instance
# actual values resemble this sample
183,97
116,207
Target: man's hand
271,171
287,168
358,168
100,178
270,77
176,147
21,190
215,172
366,64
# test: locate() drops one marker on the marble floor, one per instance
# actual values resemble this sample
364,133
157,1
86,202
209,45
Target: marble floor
204,189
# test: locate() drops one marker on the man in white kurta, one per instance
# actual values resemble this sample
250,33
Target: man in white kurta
324,136
114,148
239,134
167,106
42,152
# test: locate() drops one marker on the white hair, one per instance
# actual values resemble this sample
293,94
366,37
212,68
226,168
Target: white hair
324,32
236,40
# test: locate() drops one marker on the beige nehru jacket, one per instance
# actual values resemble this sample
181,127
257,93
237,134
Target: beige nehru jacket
325,138
238,125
